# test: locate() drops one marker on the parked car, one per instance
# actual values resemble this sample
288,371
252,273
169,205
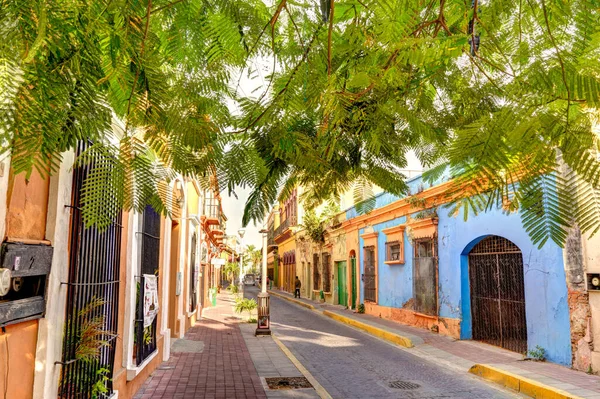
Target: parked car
249,279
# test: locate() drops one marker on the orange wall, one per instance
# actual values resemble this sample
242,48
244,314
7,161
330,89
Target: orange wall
27,206
19,355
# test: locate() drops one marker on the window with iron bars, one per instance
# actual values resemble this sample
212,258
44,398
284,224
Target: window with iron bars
316,274
193,275
326,272
145,338
370,274
425,276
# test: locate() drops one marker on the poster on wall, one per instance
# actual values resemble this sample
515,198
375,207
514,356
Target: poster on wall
150,298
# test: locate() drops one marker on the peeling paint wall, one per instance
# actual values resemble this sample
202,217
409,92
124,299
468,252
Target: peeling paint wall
579,306
591,263
546,305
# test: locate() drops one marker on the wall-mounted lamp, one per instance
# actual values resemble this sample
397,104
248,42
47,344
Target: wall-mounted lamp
195,220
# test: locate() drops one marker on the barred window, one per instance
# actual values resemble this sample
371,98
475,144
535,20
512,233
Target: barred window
370,275
316,274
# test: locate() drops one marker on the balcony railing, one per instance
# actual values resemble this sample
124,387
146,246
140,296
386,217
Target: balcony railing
286,224
271,236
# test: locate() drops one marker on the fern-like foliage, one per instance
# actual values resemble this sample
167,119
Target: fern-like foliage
501,92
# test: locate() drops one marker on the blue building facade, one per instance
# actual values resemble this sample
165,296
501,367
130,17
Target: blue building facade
506,277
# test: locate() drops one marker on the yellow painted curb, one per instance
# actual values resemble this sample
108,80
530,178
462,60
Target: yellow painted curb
297,302
520,384
378,332
322,392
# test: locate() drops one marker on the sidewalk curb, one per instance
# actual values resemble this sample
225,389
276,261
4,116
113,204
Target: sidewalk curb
375,331
378,332
297,302
322,392
518,383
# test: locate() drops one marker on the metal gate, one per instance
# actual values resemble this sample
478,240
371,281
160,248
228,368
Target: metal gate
498,294
370,275
193,275
92,301
145,338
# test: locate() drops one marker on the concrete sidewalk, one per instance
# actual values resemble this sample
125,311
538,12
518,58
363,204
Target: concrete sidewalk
534,379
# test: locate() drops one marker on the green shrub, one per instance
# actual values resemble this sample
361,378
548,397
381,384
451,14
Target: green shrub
538,353
361,308
245,305
233,288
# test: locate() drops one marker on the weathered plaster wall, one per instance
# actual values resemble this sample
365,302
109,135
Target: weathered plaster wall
17,359
547,311
25,218
591,260
27,206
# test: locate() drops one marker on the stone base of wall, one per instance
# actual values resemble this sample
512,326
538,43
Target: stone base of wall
581,337
442,325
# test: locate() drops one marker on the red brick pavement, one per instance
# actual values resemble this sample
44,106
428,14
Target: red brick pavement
223,370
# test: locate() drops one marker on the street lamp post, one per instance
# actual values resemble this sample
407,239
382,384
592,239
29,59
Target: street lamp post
264,318
241,233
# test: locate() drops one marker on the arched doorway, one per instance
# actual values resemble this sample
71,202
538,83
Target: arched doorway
498,294
354,278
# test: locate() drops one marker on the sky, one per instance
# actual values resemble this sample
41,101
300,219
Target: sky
234,210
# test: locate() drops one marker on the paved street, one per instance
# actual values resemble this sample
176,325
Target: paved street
351,364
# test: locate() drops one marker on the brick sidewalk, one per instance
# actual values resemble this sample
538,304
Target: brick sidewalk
467,352
222,369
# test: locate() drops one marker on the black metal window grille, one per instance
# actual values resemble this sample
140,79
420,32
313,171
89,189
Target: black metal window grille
193,275
425,277
498,294
326,272
370,274
92,297
145,338
392,251
316,274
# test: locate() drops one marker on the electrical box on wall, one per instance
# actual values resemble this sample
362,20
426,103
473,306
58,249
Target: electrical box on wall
593,281
24,269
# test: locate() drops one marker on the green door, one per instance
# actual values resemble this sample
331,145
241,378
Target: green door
342,281
353,271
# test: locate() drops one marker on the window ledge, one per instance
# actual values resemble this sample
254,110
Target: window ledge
394,262
133,372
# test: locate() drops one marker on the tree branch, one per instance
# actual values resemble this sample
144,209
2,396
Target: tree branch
137,72
331,11
560,60
166,6
287,84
